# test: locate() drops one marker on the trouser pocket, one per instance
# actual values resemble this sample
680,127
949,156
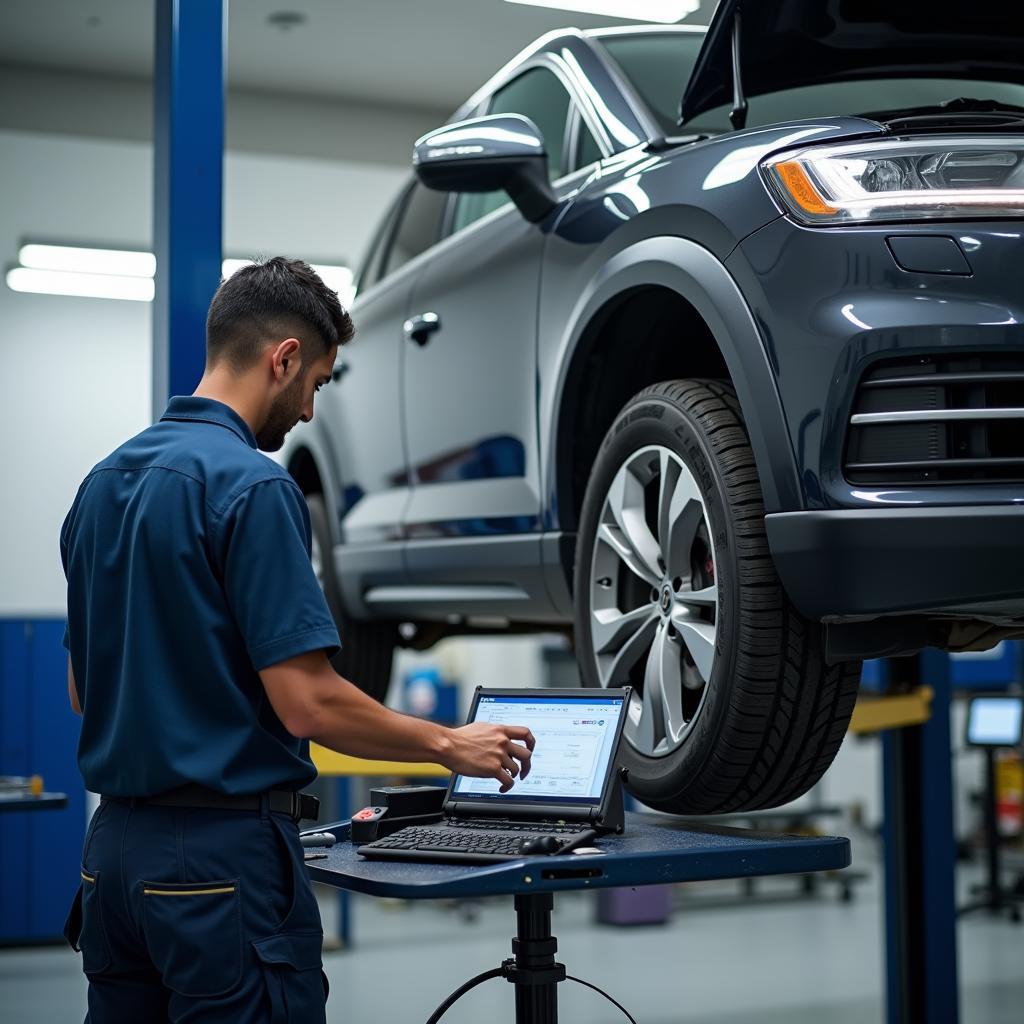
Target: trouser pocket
84,925
193,932
294,977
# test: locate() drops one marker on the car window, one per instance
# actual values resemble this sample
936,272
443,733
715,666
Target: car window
659,66
418,227
587,150
369,271
540,96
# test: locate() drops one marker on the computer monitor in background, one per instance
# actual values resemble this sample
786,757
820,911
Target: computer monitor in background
995,721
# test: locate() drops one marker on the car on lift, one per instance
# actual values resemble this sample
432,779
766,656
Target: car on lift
732,390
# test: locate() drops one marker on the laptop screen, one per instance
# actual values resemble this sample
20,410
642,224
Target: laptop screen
576,739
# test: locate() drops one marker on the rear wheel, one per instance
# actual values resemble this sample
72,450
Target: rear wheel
733,707
367,648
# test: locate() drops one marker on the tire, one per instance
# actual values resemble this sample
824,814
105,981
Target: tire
367,648
733,707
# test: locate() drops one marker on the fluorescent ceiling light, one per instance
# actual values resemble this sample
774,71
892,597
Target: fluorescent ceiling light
96,286
87,261
119,273
665,12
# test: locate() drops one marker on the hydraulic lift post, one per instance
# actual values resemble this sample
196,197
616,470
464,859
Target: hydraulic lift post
920,855
188,176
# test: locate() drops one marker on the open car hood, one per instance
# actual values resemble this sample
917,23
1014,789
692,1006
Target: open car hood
784,44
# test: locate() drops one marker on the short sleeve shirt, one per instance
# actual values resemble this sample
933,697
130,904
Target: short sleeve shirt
187,559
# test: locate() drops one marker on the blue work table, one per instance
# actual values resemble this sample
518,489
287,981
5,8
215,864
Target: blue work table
29,802
653,850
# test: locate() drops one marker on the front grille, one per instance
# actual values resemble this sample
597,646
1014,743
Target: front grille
941,419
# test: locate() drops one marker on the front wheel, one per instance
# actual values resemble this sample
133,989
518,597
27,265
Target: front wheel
733,706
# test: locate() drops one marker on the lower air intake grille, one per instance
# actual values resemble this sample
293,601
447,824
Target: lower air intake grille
943,419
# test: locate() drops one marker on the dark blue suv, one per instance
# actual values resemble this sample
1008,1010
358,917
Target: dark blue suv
732,390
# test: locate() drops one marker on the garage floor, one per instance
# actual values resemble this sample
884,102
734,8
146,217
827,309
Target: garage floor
776,960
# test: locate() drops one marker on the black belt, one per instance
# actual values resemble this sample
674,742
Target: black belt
283,801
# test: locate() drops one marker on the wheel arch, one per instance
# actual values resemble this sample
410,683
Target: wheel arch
310,470
666,287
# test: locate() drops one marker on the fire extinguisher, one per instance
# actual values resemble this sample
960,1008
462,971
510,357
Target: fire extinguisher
1010,793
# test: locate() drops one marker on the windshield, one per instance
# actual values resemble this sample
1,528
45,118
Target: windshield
659,66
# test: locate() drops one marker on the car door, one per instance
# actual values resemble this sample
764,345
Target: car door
469,372
362,409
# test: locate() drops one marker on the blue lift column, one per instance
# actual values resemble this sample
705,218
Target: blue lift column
188,173
920,855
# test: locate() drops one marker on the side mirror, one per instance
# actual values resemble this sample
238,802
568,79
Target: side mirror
485,154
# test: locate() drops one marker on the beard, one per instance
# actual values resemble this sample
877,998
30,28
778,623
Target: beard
283,415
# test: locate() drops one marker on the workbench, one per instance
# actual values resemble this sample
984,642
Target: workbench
26,793
28,802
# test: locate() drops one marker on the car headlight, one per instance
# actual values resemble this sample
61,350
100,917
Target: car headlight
902,179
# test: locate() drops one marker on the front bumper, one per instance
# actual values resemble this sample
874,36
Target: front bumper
833,304
862,563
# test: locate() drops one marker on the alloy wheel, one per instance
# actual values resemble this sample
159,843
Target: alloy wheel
654,597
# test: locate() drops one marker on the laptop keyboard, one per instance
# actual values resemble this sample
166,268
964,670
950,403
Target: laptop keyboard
479,842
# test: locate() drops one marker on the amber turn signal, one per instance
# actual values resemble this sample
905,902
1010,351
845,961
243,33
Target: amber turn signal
794,178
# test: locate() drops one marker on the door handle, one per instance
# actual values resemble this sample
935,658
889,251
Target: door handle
420,328
339,371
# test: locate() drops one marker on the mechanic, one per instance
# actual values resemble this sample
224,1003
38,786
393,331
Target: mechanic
198,642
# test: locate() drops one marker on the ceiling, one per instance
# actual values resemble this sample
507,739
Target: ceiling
428,54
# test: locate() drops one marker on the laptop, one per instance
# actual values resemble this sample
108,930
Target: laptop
571,795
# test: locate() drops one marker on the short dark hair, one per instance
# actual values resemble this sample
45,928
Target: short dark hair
272,299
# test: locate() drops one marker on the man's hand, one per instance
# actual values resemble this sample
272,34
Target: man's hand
487,751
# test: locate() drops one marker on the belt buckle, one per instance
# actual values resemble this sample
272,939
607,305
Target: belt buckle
307,806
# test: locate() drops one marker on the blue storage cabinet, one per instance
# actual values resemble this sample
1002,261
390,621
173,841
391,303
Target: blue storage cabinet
40,851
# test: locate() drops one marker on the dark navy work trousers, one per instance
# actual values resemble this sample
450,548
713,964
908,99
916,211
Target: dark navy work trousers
197,916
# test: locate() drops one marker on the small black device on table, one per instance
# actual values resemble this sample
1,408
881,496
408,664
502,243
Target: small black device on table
394,807
571,795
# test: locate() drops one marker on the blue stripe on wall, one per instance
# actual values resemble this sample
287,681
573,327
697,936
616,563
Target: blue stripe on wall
40,851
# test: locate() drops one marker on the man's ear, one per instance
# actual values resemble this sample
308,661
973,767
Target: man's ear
285,359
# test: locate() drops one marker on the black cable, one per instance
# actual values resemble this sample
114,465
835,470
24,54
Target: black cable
599,991
497,972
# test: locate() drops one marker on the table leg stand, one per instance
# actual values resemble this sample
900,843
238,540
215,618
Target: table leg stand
533,970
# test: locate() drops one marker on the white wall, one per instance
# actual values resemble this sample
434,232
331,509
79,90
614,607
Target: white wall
115,107
76,371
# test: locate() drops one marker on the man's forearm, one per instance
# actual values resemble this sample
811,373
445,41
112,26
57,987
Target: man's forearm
76,704
353,723
314,702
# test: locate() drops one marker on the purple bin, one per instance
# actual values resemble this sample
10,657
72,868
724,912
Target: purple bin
646,904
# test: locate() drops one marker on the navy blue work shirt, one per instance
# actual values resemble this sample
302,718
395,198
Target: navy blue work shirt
187,559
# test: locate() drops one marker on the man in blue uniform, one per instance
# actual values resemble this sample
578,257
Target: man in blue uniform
198,643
